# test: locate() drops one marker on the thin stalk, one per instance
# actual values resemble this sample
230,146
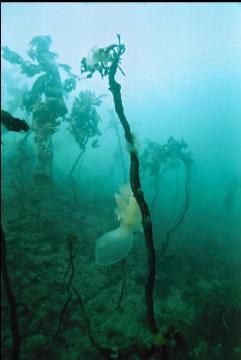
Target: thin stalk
11,300
76,162
123,262
135,183
173,229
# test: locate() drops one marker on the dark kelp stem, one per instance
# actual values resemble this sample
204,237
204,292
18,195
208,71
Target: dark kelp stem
76,162
70,269
157,193
73,187
115,89
183,213
86,320
11,300
123,262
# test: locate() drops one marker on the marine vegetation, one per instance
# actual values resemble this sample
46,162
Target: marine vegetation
157,159
106,61
12,124
231,191
83,125
70,243
84,121
16,338
100,280
45,102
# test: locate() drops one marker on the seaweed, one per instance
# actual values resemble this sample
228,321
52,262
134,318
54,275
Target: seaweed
45,102
106,62
83,125
177,147
157,159
71,240
84,121
16,338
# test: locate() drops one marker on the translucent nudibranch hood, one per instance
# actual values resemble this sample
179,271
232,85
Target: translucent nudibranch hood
116,244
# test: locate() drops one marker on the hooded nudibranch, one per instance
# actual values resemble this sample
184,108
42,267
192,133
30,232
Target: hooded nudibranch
116,244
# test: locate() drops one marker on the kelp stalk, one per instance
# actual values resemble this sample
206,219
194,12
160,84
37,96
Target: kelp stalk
11,300
123,262
115,89
184,211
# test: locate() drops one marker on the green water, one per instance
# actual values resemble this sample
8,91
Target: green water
79,277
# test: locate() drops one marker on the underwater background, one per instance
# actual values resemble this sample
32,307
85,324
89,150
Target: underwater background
78,249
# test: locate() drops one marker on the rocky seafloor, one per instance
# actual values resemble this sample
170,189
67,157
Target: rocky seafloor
198,292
